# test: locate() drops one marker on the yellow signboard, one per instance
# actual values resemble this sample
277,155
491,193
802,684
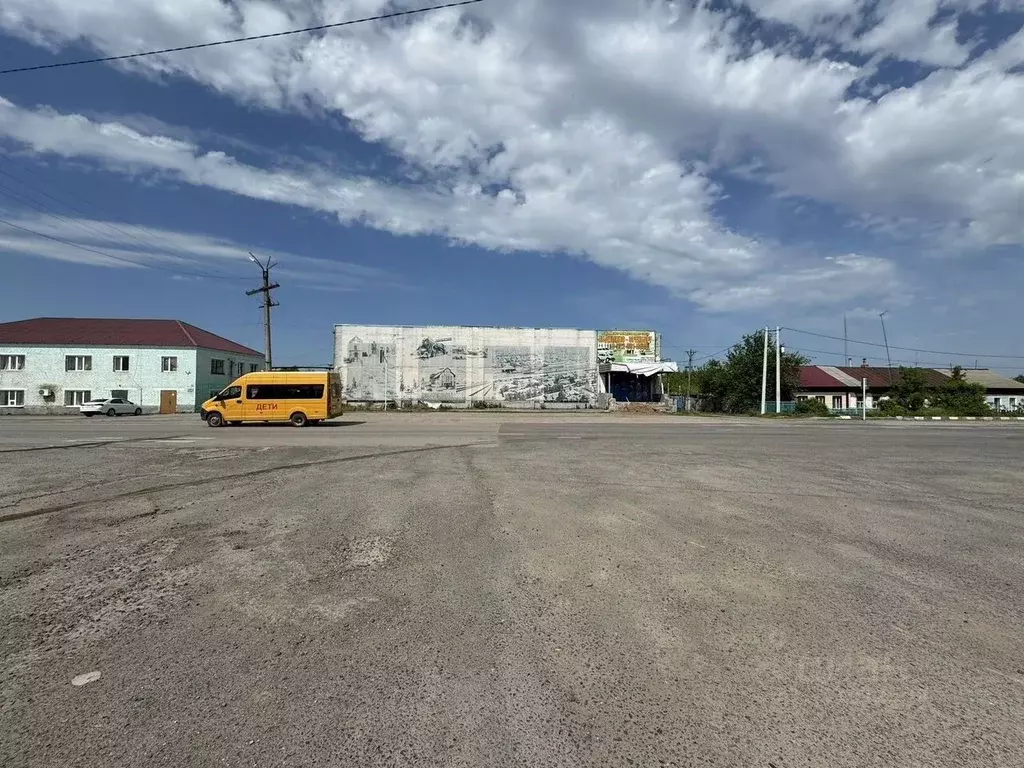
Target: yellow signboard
627,346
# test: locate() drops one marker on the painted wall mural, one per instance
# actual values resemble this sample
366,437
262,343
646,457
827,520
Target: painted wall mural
461,364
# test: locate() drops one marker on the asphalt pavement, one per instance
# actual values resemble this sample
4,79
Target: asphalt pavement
511,590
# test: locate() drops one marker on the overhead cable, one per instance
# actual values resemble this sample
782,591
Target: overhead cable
247,39
906,349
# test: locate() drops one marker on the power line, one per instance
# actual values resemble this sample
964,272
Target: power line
108,255
90,224
713,354
87,227
907,349
250,38
833,353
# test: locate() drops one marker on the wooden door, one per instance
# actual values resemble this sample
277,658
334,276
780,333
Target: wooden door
168,401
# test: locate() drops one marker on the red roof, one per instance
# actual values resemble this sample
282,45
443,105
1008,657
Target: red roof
881,377
104,332
813,377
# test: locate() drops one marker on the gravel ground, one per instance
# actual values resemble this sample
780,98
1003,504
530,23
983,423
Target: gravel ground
515,592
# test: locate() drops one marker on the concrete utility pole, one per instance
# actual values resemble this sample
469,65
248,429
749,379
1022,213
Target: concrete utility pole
268,302
885,337
778,369
689,369
764,375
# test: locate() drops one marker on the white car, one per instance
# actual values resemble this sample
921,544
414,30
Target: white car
112,406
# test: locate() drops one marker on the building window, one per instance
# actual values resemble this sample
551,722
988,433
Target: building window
120,363
73,397
284,392
1012,402
837,401
168,364
12,362
119,394
820,398
996,403
217,366
12,398
78,363
253,367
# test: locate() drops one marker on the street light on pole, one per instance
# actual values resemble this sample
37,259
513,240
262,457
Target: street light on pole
268,302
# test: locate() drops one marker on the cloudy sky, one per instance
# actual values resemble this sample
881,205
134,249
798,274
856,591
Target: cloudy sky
701,168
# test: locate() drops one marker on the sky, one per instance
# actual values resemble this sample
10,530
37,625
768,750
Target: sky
698,168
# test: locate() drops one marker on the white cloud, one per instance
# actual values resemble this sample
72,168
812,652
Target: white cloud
187,255
594,128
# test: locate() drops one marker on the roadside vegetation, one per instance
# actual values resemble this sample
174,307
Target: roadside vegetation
733,385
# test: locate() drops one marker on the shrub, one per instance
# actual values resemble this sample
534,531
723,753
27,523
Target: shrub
891,408
812,407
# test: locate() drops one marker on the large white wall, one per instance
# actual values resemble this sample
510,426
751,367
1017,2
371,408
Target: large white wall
460,364
44,368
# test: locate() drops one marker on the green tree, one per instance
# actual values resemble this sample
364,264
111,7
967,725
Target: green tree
910,390
711,385
960,397
1019,378
734,385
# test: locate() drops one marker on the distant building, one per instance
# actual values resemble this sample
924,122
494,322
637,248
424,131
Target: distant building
513,367
53,364
840,387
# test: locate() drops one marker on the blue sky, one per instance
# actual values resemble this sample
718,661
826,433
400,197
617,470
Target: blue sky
701,169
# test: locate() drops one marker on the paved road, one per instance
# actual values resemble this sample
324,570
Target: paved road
477,590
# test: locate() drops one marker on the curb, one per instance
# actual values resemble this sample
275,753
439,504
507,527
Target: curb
947,418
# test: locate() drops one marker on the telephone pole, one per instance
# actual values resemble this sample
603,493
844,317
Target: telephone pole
689,369
881,317
764,374
268,302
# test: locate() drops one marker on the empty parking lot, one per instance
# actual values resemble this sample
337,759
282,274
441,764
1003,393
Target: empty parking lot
490,589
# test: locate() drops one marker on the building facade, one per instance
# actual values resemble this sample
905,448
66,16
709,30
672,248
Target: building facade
460,366
52,365
630,365
841,388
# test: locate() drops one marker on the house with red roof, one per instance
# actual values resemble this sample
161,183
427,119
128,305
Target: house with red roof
842,387
54,364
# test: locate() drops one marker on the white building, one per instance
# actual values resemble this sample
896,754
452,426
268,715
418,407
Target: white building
52,364
462,365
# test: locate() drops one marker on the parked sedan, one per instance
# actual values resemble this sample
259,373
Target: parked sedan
112,406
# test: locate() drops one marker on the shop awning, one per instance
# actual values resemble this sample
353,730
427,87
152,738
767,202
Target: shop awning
641,369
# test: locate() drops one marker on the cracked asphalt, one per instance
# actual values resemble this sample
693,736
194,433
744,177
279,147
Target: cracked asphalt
511,590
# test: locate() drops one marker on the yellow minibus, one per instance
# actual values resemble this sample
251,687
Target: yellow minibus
299,397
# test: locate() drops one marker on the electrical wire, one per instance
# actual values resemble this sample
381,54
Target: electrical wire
833,353
108,255
906,349
250,38
88,228
72,207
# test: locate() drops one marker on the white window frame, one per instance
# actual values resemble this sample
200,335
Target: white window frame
127,363
222,366
169,364
253,367
12,362
5,398
840,406
77,401
81,363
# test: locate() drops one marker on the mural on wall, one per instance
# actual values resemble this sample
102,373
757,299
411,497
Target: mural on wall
461,365
628,346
